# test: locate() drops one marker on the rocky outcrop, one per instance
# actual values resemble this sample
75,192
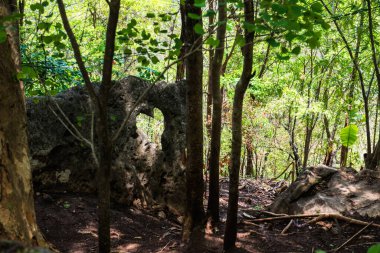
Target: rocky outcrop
323,189
141,171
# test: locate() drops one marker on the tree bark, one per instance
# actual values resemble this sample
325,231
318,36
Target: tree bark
374,159
249,168
180,75
209,102
104,138
194,214
100,101
241,87
17,216
213,199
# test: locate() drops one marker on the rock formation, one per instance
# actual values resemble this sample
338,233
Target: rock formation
323,189
141,171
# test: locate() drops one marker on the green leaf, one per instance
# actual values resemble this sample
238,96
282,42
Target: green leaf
317,7
44,26
240,41
66,205
374,248
113,118
273,42
47,39
313,42
349,135
79,120
194,16
132,24
290,36
154,59
150,15
37,6
320,251
27,72
212,42
284,50
199,29
280,9
209,13
249,26
296,50
200,3
283,57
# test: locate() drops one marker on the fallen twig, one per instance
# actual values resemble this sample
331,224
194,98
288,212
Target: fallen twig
318,218
287,227
341,217
245,222
352,237
273,214
285,217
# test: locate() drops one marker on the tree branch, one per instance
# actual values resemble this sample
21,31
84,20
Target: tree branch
77,53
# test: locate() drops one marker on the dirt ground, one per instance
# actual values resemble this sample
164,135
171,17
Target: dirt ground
69,222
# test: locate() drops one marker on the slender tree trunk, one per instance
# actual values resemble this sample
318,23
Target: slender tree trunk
241,87
330,143
209,102
213,200
181,66
17,216
249,168
100,101
104,138
290,128
194,215
257,168
374,159
242,163
230,53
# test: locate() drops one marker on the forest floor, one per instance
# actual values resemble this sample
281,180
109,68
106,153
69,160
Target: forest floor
69,222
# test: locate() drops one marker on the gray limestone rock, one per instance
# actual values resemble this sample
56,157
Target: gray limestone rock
323,189
140,169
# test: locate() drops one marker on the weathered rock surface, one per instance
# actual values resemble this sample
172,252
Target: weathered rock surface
141,171
323,189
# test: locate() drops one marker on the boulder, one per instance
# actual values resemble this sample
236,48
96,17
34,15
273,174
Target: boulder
141,172
323,189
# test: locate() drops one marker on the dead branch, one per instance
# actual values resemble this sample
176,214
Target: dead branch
287,227
318,218
245,222
273,214
352,237
341,217
287,217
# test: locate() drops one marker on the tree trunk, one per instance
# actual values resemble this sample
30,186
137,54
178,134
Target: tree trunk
209,102
374,159
180,65
100,101
194,216
17,216
249,168
330,143
213,200
104,138
241,87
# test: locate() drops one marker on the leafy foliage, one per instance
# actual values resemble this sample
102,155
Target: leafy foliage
349,135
